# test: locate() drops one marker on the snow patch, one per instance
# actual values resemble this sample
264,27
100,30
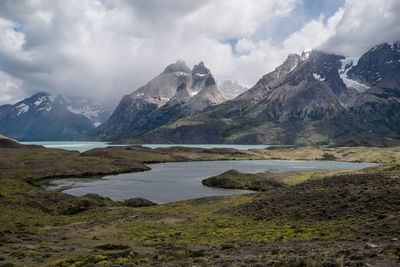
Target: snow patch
354,84
97,123
347,64
193,93
201,74
53,98
139,95
305,55
46,108
22,108
182,73
39,101
318,77
85,111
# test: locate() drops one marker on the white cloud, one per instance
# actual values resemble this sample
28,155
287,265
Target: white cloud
364,24
10,89
314,33
104,49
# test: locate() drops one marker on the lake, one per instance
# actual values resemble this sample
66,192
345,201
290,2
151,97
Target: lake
169,182
84,146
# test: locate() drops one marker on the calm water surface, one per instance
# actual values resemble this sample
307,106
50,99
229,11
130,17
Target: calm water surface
169,182
84,146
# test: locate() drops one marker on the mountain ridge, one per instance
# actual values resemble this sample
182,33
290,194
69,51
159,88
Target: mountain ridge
44,117
306,100
175,93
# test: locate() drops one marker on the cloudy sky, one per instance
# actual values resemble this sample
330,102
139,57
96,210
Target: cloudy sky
104,49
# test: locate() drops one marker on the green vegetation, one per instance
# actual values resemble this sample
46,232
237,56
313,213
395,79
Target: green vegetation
318,218
264,181
327,156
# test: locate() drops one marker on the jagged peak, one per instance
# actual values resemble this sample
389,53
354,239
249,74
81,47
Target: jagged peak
305,55
200,69
291,61
178,66
39,95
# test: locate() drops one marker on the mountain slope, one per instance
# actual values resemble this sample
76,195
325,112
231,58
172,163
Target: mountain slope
379,105
311,98
175,93
48,117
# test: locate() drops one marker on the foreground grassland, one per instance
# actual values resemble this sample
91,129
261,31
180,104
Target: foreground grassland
321,218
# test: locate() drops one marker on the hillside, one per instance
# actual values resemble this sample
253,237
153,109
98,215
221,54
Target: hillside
303,219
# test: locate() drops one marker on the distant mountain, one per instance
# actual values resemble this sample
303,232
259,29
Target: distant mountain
94,111
311,98
50,117
177,92
230,89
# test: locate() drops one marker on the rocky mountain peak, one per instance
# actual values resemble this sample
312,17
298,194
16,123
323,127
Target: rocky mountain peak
323,63
200,69
178,66
379,66
201,77
291,62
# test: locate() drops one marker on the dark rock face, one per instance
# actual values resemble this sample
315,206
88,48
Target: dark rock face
379,106
379,67
179,66
41,117
379,109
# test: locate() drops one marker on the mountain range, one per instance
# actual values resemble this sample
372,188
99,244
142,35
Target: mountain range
45,117
312,98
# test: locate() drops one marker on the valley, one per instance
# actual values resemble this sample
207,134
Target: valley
311,217
200,133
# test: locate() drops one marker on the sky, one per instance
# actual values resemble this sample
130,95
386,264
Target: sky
104,49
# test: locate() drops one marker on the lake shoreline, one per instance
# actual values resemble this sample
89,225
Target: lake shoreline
160,183
324,218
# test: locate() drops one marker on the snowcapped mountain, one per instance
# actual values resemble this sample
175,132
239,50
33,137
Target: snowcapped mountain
50,117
